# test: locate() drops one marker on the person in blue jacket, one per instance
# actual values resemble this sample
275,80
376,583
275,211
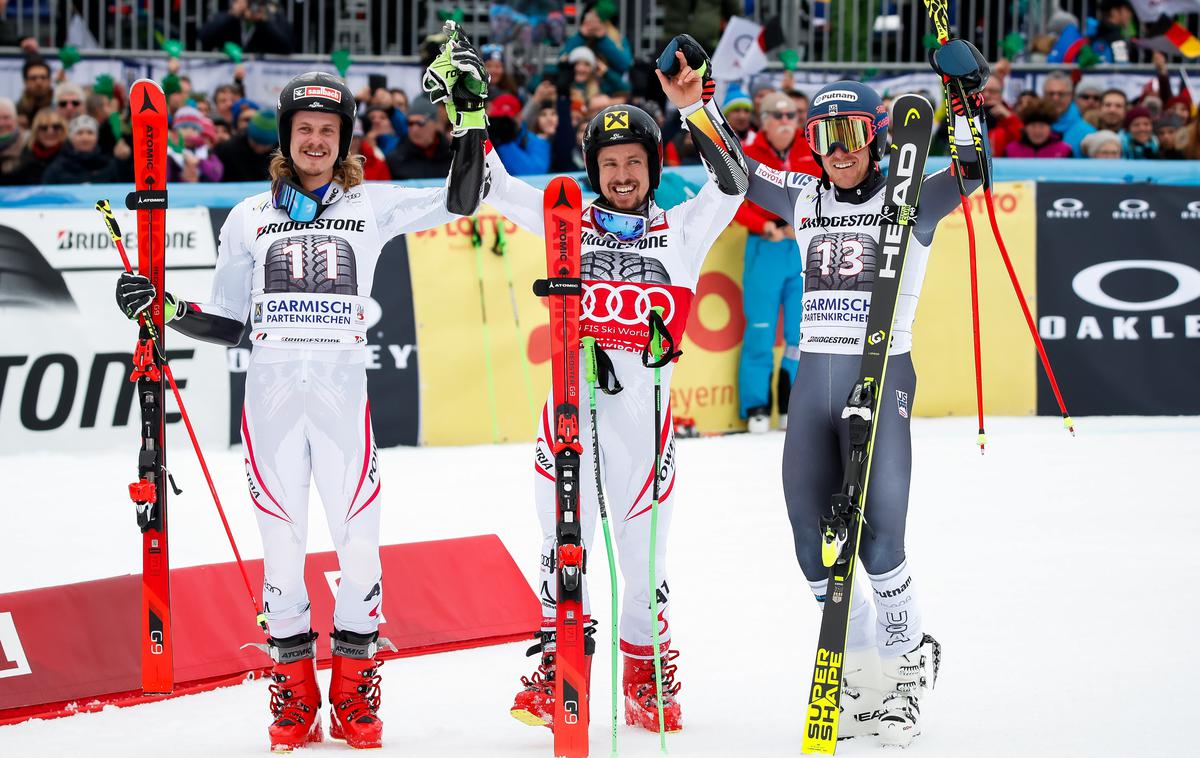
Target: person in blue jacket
598,32
521,151
1059,92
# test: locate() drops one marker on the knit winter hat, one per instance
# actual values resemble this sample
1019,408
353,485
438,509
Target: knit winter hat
736,100
582,53
237,106
192,117
82,122
262,129
1092,143
1136,112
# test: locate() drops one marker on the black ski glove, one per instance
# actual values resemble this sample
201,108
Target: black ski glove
961,66
697,59
135,293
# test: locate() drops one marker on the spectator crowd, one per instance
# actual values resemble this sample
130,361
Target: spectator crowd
56,130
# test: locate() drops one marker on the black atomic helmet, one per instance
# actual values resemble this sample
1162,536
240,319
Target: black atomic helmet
619,125
316,91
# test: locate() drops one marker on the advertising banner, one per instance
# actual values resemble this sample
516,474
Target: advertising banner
1119,297
942,334
478,321
65,355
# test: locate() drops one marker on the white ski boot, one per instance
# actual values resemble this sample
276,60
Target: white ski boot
862,698
908,677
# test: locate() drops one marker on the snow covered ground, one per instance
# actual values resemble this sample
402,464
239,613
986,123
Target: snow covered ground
1056,572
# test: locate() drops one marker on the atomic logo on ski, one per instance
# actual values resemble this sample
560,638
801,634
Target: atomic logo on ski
147,103
562,200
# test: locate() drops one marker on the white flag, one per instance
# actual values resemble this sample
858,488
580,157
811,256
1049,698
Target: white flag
1150,10
738,54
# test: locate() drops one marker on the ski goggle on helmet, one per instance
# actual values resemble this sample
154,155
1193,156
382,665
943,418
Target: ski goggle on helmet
623,227
851,132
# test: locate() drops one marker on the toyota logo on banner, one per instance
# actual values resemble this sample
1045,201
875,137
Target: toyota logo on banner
1133,209
1193,211
626,304
1067,207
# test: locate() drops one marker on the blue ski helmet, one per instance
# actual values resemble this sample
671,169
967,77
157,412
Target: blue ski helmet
847,98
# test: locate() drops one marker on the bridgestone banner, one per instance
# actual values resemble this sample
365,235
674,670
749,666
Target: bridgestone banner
1119,297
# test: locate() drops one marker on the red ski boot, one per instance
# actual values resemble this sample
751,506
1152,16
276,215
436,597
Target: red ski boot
354,690
641,705
534,705
295,696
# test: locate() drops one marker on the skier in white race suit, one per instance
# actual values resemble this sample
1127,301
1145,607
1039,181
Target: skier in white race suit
634,256
299,262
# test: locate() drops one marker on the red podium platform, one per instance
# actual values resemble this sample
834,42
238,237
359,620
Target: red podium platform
73,648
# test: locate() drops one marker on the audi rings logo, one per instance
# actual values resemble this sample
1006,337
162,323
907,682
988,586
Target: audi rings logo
626,304
1133,209
1068,207
1193,211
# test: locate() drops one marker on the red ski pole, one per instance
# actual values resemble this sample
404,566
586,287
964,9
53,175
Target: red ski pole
114,231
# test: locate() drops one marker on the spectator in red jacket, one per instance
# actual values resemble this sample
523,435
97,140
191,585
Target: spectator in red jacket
773,273
1038,138
1003,124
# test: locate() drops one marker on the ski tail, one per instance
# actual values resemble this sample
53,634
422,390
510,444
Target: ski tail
149,115
563,205
912,131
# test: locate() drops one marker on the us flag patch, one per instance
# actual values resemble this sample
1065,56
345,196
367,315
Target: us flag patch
902,403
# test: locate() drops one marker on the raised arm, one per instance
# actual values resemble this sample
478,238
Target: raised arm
516,200
779,191
940,191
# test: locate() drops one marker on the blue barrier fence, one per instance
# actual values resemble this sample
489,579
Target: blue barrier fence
227,195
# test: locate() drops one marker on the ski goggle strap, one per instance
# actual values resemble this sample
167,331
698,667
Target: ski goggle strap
300,205
851,132
623,227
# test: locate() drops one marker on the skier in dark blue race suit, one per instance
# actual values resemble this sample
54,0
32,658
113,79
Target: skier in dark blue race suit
837,221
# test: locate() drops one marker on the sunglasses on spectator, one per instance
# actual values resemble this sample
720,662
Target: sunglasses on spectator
1088,97
418,121
50,128
70,102
784,115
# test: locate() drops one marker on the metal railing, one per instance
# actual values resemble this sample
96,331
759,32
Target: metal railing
886,32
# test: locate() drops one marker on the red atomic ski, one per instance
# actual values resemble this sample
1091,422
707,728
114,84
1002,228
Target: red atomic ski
149,110
563,288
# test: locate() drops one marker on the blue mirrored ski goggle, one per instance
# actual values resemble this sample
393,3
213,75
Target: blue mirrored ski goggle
299,205
623,227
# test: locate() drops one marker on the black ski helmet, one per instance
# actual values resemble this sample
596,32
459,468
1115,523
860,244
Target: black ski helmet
316,91
619,125
850,98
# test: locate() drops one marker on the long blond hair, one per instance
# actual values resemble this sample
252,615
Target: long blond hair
348,173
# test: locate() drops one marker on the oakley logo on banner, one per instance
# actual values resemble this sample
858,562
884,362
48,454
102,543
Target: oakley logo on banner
1068,207
626,304
1088,285
1192,212
1133,209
